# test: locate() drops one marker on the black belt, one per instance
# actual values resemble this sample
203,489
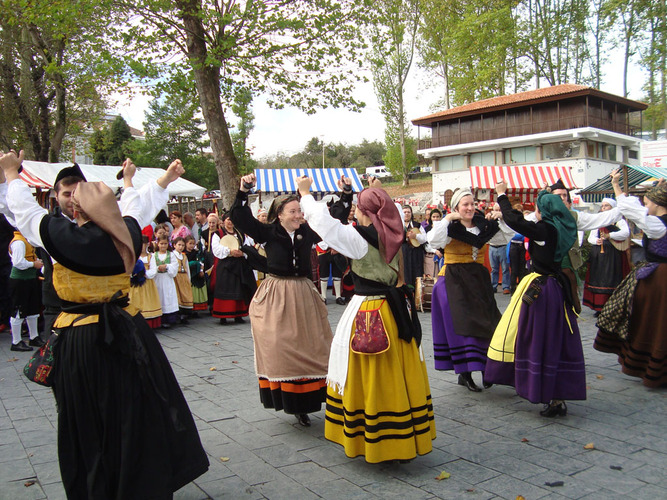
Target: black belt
497,246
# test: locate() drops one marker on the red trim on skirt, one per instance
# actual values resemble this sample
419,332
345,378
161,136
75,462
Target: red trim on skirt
229,308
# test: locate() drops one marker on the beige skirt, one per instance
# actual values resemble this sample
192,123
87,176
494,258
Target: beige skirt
290,330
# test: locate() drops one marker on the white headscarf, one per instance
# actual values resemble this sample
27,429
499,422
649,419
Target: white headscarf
611,201
458,194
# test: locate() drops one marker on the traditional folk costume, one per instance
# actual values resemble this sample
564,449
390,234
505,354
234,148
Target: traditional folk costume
608,263
379,399
413,253
290,328
235,282
633,322
143,292
199,292
25,292
463,309
124,427
166,287
182,282
537,347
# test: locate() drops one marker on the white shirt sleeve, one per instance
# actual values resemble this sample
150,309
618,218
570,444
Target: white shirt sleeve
421,235
143,204
18,256
586,221
4,209
437,237
623,231
633,210
343,238
151,267
219,250
172,267
593,237
27,213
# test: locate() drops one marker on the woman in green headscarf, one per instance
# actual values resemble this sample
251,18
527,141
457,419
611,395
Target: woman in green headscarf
536,347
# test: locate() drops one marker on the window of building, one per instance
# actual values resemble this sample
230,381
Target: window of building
521,155
633,155
557,150
483,159
610,152
450,163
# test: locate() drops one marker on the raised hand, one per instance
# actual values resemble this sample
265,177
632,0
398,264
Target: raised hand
303,184
247,180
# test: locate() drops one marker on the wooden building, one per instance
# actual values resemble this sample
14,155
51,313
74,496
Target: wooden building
565,126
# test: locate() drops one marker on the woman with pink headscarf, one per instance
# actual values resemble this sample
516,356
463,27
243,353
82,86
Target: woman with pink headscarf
378,399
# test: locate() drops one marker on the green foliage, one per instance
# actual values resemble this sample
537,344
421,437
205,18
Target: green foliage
242,109
359,156
111,145
55,75
393,160
394,39
174,129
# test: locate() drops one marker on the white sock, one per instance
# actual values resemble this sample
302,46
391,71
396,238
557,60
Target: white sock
16,323
323,288
32,326
336,284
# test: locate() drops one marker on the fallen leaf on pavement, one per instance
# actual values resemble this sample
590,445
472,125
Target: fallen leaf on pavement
235,362
524,440
28,484
212,369
224,459
599,377
443,475
216,343
11,360
520,497
589,446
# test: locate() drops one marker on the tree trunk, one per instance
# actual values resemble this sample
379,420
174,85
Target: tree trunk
207,81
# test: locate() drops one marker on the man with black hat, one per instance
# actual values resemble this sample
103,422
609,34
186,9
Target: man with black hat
585,222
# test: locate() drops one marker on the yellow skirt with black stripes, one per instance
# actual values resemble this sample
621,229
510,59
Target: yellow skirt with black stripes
386,411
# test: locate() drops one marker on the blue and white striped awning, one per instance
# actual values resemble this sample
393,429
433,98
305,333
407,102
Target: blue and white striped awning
636,175
281,181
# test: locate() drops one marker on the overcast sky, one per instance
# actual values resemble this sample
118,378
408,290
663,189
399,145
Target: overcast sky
288,130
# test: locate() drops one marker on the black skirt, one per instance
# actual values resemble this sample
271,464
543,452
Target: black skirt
26,297
124,428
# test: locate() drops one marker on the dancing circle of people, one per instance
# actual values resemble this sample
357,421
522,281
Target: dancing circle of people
117,271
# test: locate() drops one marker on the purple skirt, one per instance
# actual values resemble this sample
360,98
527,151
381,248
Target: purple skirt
549,359
452,351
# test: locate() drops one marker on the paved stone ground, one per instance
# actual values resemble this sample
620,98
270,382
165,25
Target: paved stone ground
494,444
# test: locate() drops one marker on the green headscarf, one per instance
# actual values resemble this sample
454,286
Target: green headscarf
555,212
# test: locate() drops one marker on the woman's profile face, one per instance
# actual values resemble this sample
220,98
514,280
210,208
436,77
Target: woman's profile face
652,207
175,220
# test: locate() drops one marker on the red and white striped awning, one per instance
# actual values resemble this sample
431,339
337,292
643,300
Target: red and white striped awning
32,180
524,181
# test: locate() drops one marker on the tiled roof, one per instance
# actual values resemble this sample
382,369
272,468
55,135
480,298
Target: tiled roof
520,99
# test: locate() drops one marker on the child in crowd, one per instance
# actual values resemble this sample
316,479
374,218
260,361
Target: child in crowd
198,278
143,292
167,269
182,280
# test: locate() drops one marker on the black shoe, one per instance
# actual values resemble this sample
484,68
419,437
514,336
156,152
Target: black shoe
223,321
239,320
21,346
487,385
340,301
303,419
166,326
36,342
553,409
597,313
184,321
466,380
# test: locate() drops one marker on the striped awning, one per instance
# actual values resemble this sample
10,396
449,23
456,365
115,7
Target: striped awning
524,181
636,175
281,181
32,180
